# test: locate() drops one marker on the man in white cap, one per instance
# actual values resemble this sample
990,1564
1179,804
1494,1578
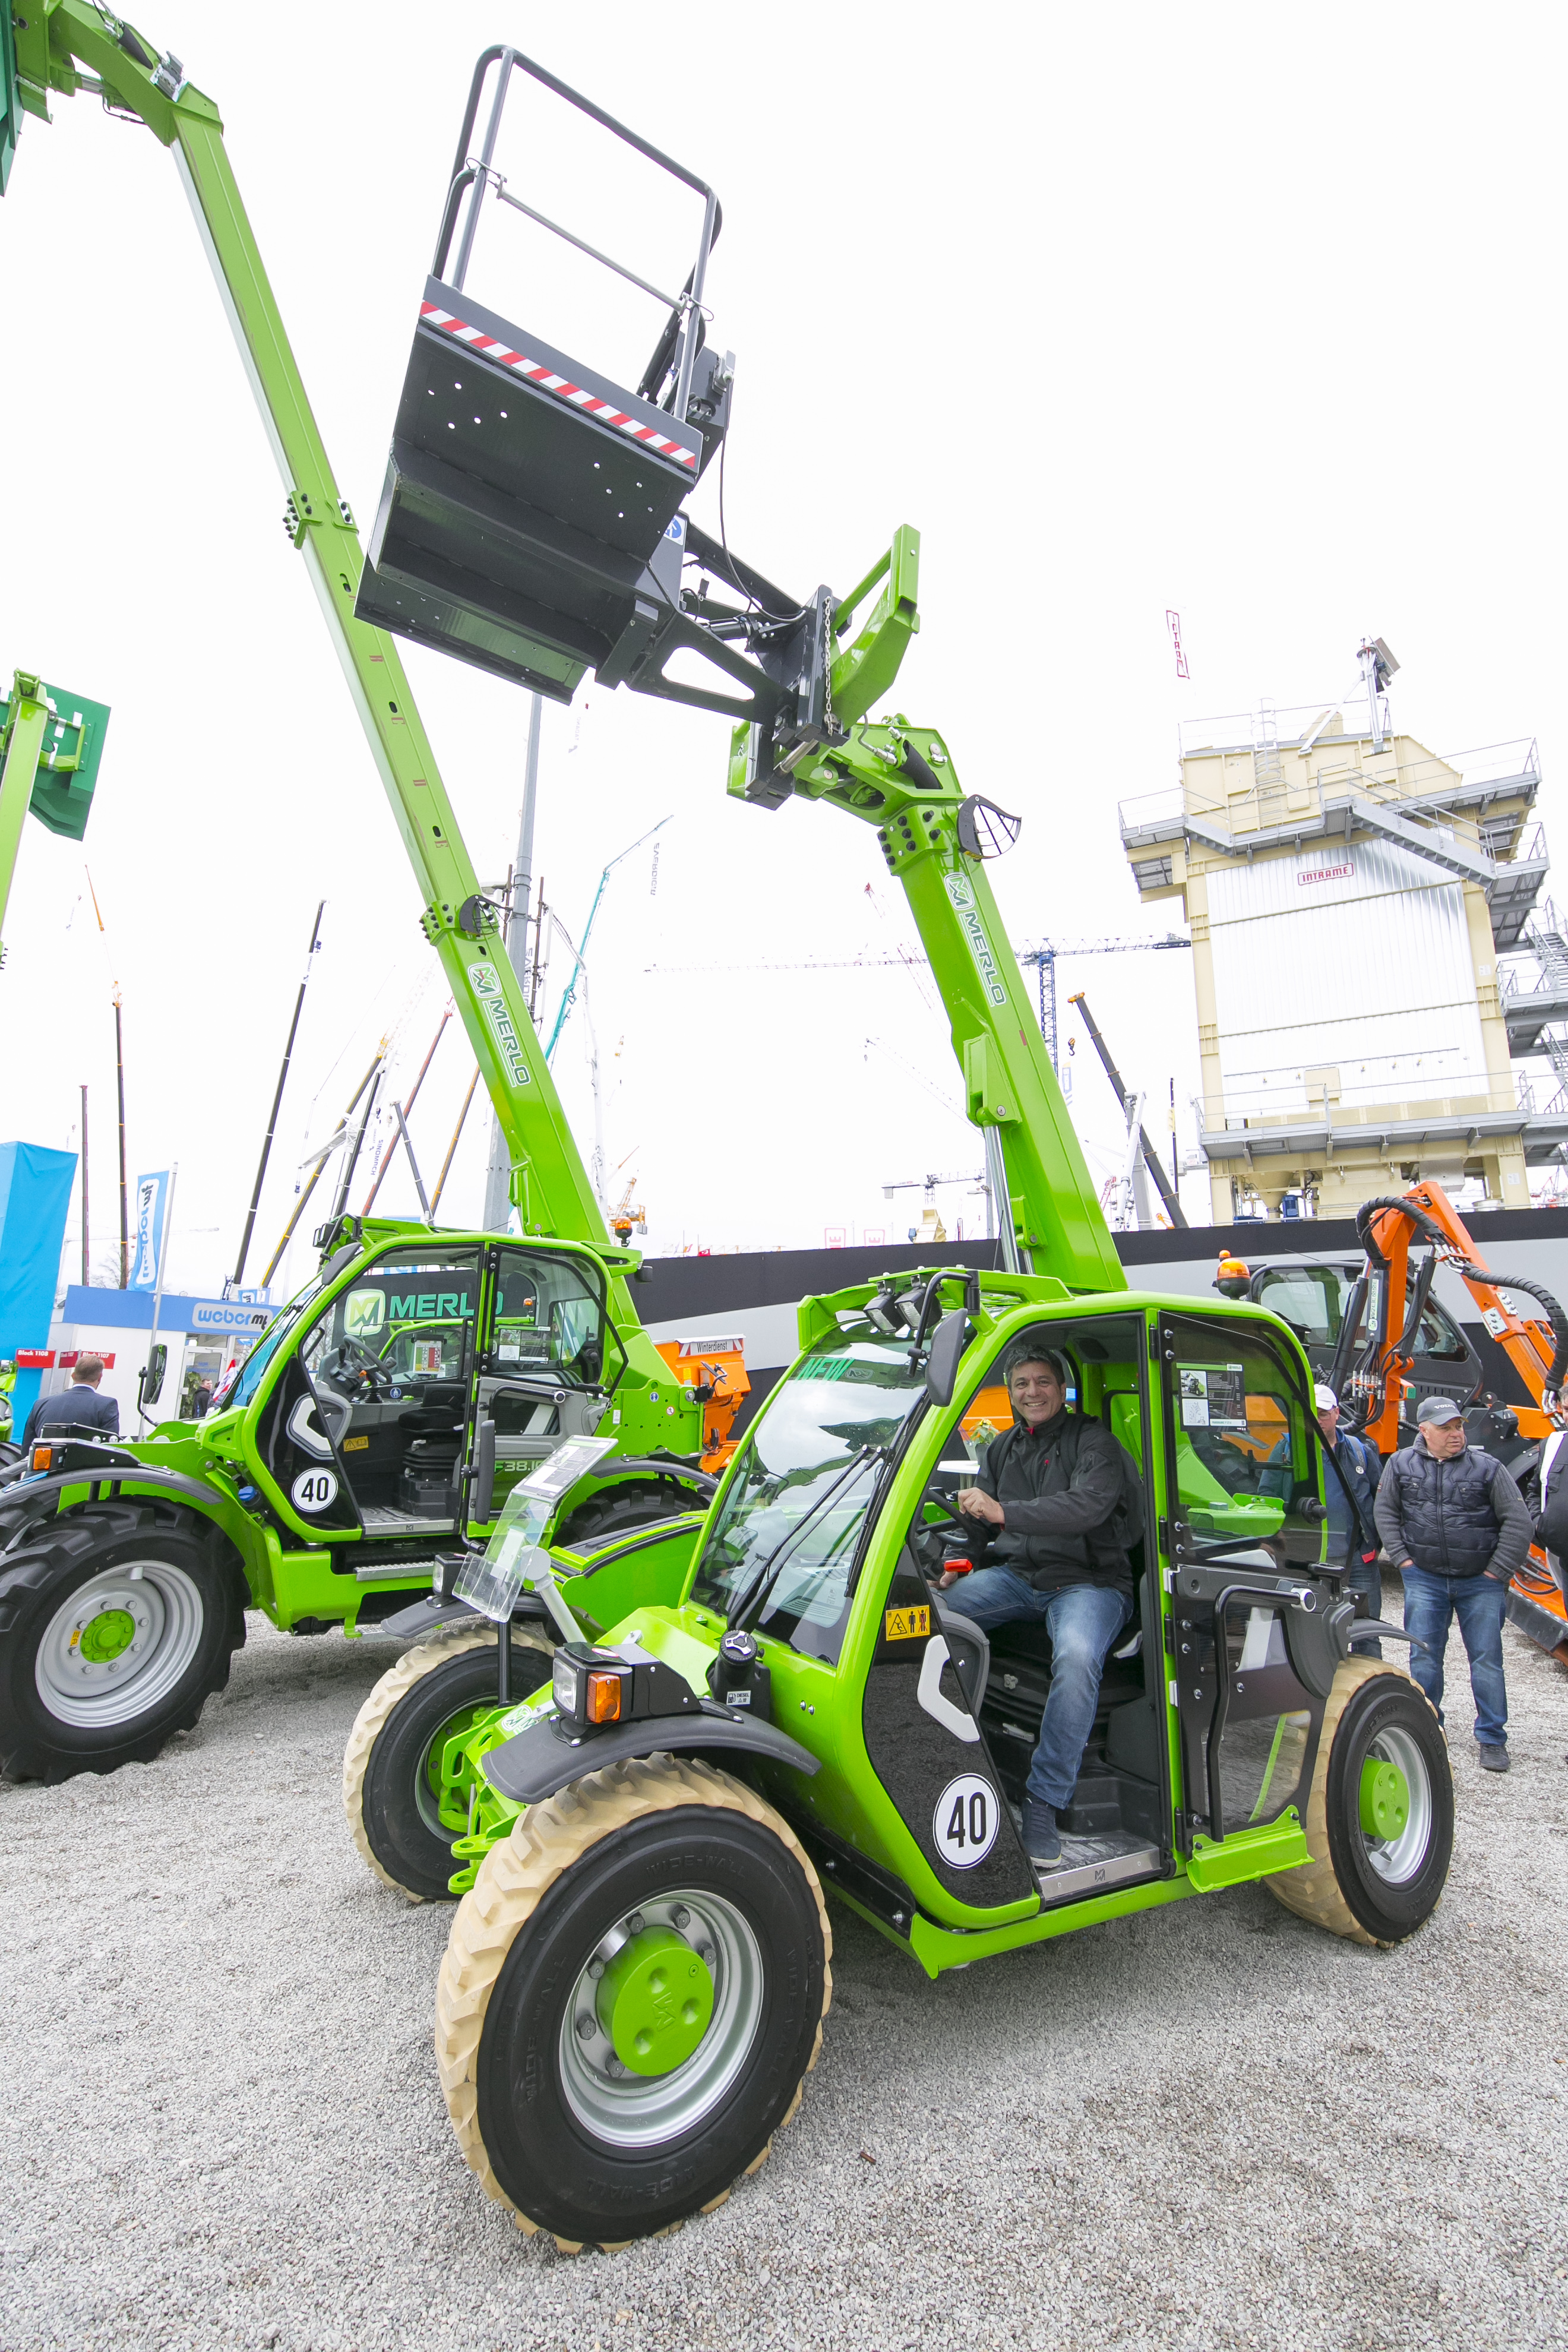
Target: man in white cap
1456,1527
1352,1523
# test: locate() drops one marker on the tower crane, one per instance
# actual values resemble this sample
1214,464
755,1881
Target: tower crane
1044,958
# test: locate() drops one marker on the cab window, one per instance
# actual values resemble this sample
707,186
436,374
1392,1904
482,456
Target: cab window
408,1320
549,1318
1245,1461
788,1532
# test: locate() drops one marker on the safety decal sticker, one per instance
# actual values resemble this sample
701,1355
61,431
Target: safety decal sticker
964,1825
973,929
474,340
488,989
908,1624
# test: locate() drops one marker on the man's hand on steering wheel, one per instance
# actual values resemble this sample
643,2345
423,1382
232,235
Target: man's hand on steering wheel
977,1504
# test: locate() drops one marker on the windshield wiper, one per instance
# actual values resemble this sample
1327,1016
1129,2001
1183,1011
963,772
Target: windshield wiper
748,1604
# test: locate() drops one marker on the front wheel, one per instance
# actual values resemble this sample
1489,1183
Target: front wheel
632,1995
392,1765
116,1622
1380,1819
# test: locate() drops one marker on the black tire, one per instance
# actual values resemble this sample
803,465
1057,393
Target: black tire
1371,1887
186,1605
639,1503
550,2133
389,1794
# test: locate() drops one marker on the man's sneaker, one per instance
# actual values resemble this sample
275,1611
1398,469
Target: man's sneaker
1042,1843
1493,1756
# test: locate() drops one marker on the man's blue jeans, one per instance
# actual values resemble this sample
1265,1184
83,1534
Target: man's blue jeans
1083,1620
1480,1602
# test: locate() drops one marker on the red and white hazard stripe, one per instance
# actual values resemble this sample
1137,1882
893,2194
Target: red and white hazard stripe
476,339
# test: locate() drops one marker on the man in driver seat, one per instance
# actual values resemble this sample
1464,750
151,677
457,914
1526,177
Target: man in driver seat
1057,1496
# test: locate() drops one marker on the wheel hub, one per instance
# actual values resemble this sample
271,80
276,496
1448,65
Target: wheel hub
660,2018
1384,1799
654,2000
106,1636
118,1645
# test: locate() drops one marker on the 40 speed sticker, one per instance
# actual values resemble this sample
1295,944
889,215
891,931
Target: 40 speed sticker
967,1817
314,1490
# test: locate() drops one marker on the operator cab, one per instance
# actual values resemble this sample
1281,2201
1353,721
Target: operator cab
1242,1481
371,1424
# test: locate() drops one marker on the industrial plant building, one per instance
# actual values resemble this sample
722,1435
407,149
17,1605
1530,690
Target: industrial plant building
1371,956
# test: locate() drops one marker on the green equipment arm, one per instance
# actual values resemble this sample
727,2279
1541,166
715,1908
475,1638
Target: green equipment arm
66,46
54,778
22,739
935,839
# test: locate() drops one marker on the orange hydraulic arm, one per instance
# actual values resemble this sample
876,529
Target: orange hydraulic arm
1538,1349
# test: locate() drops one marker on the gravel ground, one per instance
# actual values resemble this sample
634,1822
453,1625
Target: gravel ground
1209,2126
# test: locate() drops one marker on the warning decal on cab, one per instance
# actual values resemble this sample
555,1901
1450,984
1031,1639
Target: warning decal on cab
908,1624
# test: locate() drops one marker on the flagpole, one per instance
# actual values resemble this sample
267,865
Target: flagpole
158,1288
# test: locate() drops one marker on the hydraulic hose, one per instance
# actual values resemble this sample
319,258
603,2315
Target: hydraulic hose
1432,1232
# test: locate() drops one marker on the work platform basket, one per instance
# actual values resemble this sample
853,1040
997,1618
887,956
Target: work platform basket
530,523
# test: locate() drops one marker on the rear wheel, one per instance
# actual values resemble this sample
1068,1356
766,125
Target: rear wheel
116,1624
631,1998
392,1765
1380,1819
639,1503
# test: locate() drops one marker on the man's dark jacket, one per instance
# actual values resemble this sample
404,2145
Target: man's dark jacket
1070,1494
78,1407
1460,1517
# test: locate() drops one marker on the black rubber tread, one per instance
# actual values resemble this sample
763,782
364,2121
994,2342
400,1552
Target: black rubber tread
389,1747
39,1573
636,1504
518,1940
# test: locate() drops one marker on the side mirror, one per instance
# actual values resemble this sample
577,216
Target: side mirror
949,1342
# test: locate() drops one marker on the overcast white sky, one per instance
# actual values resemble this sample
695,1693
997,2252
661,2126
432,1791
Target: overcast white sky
1250,312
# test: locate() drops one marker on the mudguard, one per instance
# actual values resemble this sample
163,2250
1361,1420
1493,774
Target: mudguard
545,1757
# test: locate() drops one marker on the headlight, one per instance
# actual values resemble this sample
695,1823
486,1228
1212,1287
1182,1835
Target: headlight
594,1688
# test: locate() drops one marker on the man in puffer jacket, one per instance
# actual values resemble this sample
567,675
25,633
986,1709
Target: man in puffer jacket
1453,1523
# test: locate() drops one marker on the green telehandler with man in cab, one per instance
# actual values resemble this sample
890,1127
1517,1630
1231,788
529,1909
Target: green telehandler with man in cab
789,1696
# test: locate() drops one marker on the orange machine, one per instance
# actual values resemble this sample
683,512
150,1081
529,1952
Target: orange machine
1537,1346
715,1371
1370,1388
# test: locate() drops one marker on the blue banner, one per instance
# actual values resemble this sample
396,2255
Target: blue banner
147,1230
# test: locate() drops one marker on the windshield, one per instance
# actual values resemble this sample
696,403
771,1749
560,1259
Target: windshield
266,1348
796,1503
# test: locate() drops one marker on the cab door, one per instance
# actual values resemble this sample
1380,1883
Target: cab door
1252,1643
548,1355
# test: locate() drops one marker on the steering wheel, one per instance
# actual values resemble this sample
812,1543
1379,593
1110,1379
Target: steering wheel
355,1366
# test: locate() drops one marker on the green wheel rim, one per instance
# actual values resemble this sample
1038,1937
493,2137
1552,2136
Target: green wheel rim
428,1789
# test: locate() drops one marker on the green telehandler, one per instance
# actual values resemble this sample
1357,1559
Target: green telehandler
639,1966
391,1405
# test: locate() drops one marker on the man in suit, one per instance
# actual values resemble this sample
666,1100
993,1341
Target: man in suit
80,1407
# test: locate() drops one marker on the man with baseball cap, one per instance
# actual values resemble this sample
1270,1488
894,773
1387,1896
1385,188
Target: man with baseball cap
1351,1522
1455,1526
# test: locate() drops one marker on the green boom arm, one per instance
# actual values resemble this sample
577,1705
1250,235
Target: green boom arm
901,780
67,45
